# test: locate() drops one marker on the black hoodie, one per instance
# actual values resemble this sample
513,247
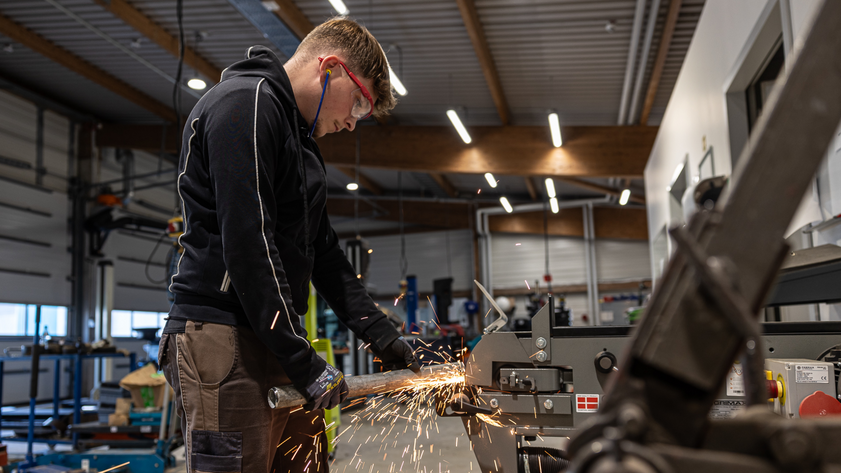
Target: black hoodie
251,240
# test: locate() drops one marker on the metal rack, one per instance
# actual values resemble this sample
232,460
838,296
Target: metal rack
78,358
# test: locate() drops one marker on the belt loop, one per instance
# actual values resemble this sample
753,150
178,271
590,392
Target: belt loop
198,325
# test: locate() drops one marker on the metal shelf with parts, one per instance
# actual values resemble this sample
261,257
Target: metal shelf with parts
77,359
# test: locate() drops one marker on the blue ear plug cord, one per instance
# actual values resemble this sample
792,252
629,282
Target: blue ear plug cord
323,89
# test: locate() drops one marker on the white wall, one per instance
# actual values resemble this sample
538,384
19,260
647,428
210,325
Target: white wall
697,106
427,257
698,111
49,224
517,258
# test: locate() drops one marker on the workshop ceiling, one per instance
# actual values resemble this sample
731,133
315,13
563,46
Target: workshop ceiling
568,56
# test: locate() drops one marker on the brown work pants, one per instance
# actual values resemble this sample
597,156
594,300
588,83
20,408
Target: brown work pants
221,375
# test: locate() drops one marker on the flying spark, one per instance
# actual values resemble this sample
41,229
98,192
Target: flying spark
414,408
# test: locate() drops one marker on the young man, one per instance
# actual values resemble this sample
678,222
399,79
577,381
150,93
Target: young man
253,189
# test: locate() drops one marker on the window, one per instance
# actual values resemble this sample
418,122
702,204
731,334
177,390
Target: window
758,91
18,320
125,322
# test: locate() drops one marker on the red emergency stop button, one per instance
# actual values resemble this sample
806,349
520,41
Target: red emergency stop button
819,404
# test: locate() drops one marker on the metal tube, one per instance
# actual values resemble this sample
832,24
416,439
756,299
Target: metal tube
594,272
585,216
281,397
164,415
632,60
646,48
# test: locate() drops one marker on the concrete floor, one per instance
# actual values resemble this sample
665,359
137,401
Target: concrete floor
360,448
440,447
442,441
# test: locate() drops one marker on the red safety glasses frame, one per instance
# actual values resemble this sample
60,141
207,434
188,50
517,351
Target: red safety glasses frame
361,88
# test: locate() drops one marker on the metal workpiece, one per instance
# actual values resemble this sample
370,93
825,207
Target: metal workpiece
695,325
362,385
499,323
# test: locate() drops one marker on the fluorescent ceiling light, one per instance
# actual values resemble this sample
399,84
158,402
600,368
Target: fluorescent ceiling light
490,178
196,84
554,203
395,82
462,131
550,187
626,194
352,186
505,204
339,6
555,128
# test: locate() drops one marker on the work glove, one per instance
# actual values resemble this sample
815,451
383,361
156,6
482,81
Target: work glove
327,391
399,355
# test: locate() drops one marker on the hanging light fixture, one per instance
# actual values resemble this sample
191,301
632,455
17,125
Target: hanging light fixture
352,186
553,202
626,195
505,204
555,128
395,82
462,131
491,179
340,7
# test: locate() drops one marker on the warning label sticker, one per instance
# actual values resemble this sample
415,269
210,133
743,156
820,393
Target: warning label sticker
811,374
736,380
586,402
726,409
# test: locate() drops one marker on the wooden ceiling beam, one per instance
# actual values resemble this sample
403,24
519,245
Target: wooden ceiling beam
148,28
608,222
293,18
531,188
483,54
588,151
660,61
438,215
364,181
599,188
444,184
51,51
594,151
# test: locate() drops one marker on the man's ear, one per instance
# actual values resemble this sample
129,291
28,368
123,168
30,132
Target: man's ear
328,63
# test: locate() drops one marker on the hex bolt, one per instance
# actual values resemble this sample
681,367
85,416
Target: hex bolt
540,343
494,403
548,404
542,356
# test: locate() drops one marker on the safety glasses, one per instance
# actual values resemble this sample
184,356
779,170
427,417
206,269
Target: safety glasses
363,104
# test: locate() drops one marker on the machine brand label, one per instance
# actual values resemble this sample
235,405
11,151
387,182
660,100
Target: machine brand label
586,402
726,408
811,374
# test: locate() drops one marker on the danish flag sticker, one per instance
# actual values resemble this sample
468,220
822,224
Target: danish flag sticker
586,402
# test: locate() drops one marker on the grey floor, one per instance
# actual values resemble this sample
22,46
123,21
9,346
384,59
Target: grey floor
432,445
441,447
361,449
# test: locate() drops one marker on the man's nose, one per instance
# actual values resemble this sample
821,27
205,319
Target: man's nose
350,123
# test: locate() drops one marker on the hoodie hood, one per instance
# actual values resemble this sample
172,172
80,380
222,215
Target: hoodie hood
262,62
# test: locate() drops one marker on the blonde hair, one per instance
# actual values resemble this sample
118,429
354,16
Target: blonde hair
361,52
